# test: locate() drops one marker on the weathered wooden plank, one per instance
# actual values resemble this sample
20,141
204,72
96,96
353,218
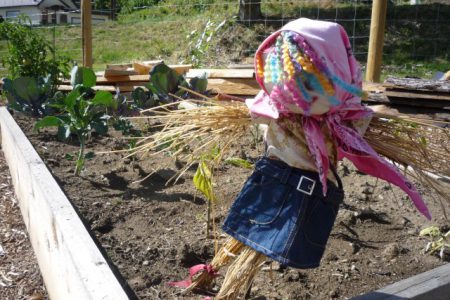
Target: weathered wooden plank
71,264
417,112
222,73
113,73
418,84
434,284
118,66
234,86
108,88
376,98
420,102
143,68
416,95
120,74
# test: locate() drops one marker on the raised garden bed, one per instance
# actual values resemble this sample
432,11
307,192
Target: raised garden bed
152,232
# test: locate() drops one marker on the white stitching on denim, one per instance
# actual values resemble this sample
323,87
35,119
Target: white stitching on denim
281,259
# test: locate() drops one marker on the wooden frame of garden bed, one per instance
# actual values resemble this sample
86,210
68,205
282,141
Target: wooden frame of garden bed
70,262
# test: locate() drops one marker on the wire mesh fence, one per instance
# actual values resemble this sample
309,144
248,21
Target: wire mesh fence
220,33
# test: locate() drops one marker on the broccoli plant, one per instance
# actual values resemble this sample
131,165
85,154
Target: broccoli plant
82,111
164,87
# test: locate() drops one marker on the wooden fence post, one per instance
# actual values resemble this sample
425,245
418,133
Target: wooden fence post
86,29
249,11
376,40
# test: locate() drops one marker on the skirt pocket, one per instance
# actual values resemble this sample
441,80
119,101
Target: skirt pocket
261,200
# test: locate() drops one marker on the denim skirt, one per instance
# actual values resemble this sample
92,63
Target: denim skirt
282,213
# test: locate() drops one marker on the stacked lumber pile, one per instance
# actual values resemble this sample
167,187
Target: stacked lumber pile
412,96
127,77
418,92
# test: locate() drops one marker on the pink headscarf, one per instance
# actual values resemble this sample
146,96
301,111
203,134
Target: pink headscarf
328,46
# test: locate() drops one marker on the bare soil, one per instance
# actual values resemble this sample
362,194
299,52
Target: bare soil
20,277
153,231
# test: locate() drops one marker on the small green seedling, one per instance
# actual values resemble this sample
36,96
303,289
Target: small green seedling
83,111
203,181
239,162
438,240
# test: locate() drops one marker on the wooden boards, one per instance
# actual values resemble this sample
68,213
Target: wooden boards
418,92
234,86
222,73
434,284
239,82
70,262
418,84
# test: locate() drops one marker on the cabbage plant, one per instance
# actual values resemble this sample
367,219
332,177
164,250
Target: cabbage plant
164,87
28,94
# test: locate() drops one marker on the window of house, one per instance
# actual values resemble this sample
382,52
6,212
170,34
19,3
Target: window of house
11,14
53,20
63,18
76,20
44,17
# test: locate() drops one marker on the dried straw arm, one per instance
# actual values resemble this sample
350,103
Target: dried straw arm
419,146
406,141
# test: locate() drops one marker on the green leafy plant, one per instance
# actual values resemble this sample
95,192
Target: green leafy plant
203,181
28,94
199,42
30,54
438,240
239,162
82,111
164,87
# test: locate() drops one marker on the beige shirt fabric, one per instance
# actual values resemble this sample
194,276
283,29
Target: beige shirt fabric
286,141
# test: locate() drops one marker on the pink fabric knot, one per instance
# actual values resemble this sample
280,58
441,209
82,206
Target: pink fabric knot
192,272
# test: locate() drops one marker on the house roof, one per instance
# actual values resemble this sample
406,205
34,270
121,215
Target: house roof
16,3
20,3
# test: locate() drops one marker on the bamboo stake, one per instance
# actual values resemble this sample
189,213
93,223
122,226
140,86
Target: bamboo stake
86,28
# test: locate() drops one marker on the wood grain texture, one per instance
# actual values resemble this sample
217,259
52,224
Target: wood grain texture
70,262
418,84
431,285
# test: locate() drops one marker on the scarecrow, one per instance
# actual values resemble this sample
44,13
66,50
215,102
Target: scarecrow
310,105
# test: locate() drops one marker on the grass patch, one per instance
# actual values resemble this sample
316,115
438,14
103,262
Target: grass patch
416,42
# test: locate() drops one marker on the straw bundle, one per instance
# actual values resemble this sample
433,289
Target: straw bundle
190,133
420,146
240,274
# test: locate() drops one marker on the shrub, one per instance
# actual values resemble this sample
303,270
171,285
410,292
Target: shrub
30,54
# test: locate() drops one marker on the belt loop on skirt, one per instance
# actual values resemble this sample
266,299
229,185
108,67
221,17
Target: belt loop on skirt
286,174
338,179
